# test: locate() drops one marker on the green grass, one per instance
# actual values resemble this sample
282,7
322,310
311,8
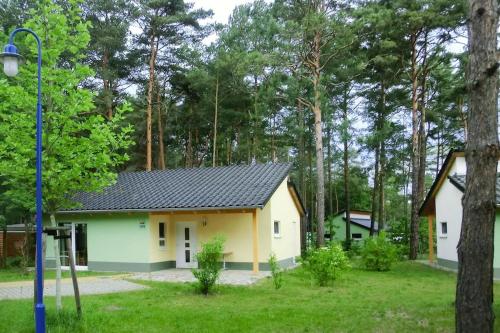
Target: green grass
16,274
410,298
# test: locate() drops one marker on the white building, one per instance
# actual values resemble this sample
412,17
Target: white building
443,208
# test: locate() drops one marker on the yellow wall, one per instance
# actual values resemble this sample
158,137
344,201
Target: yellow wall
235,228
283,209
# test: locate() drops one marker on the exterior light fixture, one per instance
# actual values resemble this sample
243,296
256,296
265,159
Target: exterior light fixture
11,59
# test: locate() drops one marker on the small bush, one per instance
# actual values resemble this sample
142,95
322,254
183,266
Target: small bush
325,264
276,272
379,253
14,262
209,265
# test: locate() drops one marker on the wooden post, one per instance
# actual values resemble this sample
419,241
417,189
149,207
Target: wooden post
73,277
430,220
255,229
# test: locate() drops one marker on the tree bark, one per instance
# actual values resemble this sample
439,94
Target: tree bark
373,216
149,110
474,293
318,135
161,144
57,255
214,154
382,162
346,177
415,201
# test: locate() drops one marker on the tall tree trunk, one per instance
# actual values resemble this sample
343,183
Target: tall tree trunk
318,135
149,111
381,189
346,177
214,153
474,294
329,169
57,255
382,162
301,149
373,216
189,146
415,200
161,144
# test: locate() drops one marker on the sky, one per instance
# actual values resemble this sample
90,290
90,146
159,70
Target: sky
222,8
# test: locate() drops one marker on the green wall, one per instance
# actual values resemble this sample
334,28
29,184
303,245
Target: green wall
339,226
111,238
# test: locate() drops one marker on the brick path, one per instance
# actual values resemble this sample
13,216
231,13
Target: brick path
87,285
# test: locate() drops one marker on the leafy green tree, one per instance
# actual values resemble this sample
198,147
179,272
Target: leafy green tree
81,149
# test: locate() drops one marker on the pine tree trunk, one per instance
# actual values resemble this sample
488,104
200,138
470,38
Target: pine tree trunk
214,153
382,162
161,144
108,95
301,149
474,294
57,255
329,170
149,110
375,191
346,184
318,136
415,219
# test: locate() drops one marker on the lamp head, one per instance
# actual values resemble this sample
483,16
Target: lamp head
10,59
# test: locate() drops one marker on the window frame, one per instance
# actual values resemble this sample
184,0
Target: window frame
357,238
164,238
445,225
277,223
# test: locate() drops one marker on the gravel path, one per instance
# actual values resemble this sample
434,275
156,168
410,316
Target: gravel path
87,286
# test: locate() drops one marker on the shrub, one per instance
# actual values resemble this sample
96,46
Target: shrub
325,264
209,265
379,253
276,272
14,262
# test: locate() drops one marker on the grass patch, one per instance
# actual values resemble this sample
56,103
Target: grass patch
409,298
16,274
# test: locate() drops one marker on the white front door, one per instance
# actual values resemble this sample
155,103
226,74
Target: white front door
185,245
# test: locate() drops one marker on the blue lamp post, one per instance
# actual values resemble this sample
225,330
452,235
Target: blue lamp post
11,59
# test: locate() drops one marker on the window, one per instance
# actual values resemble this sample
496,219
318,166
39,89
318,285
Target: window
276,229
357,236
444,228
161,234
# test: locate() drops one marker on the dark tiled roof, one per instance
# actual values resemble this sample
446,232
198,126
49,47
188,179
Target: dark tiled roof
365,223
459,182
241,186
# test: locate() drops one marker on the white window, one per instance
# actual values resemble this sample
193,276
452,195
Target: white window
161,235
277,228
444,228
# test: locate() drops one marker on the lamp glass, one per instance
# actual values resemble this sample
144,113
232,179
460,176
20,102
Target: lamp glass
10,66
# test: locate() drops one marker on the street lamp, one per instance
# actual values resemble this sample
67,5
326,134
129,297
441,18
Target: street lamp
11,59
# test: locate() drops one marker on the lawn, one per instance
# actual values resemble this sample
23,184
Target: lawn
15,274
410,298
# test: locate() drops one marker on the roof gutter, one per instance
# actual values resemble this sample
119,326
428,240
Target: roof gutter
147,210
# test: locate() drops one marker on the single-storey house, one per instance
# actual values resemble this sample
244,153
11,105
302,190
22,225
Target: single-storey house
152,220
360,225
443,208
